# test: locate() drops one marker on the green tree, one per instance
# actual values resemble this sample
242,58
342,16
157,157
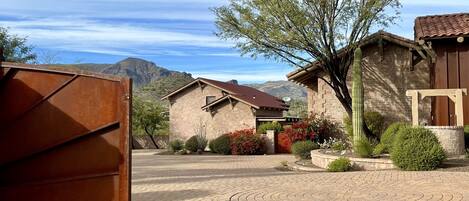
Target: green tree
301,32
15,48
148,117
298,108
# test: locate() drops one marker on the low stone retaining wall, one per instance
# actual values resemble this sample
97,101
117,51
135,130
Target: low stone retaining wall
451,138
144,142
322,160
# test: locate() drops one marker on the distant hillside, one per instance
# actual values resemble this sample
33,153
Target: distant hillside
282,89
141,71
163,86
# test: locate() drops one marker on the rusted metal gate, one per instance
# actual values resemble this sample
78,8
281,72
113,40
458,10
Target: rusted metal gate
63,135
451,70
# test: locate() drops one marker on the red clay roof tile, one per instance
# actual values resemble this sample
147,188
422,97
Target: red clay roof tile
441,26
250,95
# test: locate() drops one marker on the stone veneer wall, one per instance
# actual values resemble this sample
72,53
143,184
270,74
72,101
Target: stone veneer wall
186,115
385,83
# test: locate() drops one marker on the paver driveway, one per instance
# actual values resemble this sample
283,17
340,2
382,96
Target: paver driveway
213,177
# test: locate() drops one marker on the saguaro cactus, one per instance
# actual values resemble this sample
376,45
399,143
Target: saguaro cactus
357,98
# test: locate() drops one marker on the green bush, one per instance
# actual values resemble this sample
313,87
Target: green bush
379,149
221,145
374,120
363,148
338,145
211,146
303,148
466,136
176,145
201,142
417,149
341,164
277,127
192,144
387,139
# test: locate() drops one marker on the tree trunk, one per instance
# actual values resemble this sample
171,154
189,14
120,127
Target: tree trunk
151,137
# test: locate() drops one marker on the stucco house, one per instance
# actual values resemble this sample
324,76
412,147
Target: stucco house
219,107
438,57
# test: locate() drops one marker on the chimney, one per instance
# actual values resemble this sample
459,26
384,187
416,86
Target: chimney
235,82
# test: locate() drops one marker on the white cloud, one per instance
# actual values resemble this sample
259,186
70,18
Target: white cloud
92,36
258,76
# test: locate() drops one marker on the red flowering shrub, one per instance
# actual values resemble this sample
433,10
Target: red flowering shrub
299,131
246,142
324,128
283,144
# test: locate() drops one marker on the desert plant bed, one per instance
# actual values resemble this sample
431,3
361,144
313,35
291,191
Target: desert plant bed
322,158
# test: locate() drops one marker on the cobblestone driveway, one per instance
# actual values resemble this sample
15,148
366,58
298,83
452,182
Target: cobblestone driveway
213,177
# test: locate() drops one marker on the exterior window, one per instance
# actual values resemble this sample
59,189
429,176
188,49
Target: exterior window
209,99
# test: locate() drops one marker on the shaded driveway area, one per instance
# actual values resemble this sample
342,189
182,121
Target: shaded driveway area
215,177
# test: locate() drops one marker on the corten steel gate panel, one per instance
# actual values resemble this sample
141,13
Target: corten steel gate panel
451,70
63,135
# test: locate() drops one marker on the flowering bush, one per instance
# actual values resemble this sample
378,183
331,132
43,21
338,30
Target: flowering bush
299,131
335,144
283,143
324,128
245,142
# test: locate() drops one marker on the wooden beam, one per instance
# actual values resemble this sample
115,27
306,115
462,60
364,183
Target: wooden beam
459,108
428,48
456,95
415,108
253,110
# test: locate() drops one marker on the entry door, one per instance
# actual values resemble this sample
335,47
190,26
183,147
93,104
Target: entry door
451,70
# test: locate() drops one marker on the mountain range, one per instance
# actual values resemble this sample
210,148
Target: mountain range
141,71
153,80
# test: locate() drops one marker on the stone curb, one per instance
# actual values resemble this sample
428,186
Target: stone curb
295,167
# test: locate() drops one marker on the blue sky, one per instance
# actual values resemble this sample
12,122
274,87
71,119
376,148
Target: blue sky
176,34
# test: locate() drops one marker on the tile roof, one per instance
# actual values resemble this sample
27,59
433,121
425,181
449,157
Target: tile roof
249,95
245,94
441,26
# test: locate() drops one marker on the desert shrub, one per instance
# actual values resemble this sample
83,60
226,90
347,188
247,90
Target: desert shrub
303,148
221,145
374,120
363,148
341,164
387,139
298,131
176,145
192,144
211,146
246,142
201,142
324,128
466,136
417,149
379,149
277,127
283,144
335,144
339,145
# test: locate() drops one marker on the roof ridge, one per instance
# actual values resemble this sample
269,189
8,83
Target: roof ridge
442,15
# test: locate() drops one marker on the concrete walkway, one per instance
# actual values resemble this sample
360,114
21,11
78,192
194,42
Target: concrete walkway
214,177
